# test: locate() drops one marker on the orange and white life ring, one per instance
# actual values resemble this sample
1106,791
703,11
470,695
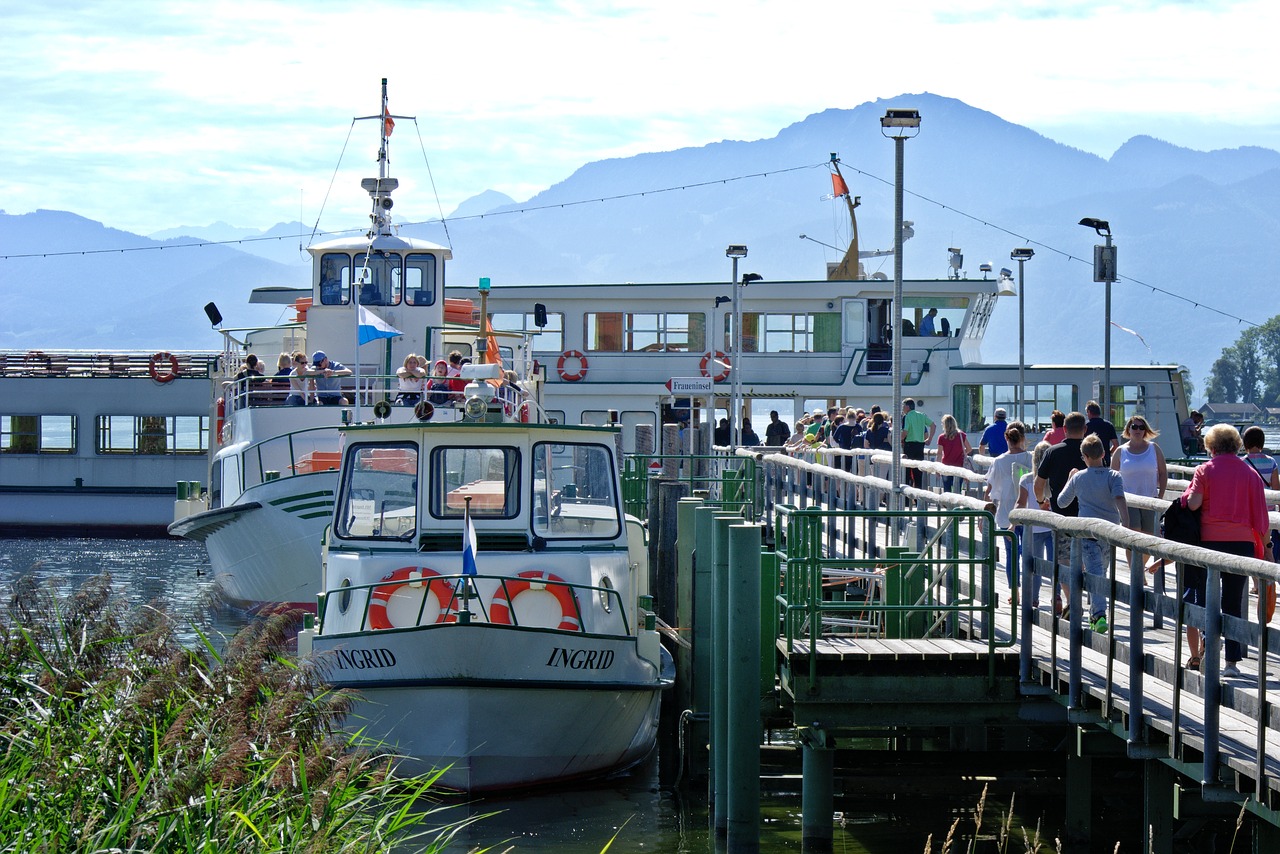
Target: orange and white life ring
715,365
509,591
578,372
153,367
417,577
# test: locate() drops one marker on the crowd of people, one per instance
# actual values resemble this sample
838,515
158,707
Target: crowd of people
1083,467
317,382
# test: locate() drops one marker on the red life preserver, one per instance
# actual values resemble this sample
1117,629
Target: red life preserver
153,367
715,360
413,576
523,412
221,411
508,591
572,376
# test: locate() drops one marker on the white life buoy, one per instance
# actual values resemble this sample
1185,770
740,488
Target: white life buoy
578,372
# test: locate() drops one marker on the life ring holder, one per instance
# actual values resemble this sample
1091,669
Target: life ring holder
715,360
153,367
575,375
500,607
414,576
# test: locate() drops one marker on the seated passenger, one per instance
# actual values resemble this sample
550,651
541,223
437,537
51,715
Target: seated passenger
411,377
326,373
439,383
298,382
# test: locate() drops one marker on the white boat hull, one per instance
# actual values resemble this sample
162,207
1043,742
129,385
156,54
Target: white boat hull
500,707
265,550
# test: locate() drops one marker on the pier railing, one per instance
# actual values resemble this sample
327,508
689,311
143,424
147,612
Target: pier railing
730,481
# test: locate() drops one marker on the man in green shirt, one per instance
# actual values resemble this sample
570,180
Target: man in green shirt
917,432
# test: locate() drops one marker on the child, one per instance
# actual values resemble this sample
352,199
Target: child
1100,492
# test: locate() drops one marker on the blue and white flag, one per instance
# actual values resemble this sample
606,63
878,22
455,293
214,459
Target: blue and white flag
468,544
372,327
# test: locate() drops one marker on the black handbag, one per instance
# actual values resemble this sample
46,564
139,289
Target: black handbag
1180,523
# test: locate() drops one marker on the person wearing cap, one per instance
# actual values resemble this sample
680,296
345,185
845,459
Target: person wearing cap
327,372
993,442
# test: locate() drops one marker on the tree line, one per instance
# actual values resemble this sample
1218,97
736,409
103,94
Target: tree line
1249,370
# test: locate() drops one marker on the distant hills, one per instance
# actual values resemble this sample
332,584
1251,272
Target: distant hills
1189,222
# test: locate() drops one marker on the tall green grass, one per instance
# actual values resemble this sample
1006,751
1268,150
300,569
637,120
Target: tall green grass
114,737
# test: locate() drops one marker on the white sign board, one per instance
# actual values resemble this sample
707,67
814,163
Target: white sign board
690,386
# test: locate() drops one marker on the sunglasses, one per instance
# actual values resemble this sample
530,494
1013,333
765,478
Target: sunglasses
1138,425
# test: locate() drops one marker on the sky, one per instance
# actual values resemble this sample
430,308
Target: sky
152,115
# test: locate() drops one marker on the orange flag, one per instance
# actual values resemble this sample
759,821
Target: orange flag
389,124
838,186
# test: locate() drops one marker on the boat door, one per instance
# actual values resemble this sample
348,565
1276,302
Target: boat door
853,334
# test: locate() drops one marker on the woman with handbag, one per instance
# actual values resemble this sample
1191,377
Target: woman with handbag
1233,520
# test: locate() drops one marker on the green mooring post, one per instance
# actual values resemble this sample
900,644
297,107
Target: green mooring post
703,634
685,545
899,589
817,792
743,833
719,801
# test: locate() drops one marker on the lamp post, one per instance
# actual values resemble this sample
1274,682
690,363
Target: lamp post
734,252
1104,270
898,125
1022,256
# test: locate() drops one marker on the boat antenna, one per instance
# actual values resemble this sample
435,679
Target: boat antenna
849,267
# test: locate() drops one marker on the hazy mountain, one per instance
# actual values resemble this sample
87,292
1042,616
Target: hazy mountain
1187,222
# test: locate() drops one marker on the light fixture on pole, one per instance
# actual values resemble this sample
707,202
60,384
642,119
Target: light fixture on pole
734,252
1022,256
898,125
1104,270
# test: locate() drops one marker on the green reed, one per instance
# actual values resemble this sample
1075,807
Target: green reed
115,737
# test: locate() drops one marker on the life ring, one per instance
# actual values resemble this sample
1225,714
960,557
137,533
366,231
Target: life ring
715,360
578,373
153,367
411,576
221,417
500,607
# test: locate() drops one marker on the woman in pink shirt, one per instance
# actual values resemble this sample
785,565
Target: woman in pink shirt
1233,517
953,448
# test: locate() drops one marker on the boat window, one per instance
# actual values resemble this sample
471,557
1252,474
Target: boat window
420,279
379,494
817,332
215,485
933,317
37,434
380,279
573,491
624,332
975,405
550,339
490,477
335,278
152,434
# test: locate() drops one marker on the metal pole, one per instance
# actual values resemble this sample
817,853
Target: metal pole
735,388
1106,371
1022,357
895,495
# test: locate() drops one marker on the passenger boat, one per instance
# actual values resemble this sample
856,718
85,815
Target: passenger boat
485,593
98,443
273,466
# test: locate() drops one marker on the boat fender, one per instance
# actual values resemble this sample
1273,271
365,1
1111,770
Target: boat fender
578,372
162,376
508,591
715,365
411,576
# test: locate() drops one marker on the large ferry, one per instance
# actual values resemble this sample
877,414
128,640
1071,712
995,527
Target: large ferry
95,443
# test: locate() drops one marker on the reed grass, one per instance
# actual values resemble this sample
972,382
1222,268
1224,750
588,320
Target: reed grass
115,737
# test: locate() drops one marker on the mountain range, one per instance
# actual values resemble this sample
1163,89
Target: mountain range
1191,230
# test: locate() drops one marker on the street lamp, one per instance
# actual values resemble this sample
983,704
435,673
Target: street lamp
898,125
734,252
1104,270
1022,256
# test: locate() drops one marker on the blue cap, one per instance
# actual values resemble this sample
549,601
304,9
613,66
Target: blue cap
317,357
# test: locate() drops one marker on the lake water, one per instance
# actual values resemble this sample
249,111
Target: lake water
644,813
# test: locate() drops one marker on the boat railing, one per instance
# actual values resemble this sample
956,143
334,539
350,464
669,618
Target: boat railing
875,365
262,392
308,451
729,480
460,602
135,364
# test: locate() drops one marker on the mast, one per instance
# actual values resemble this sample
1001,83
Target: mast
848,268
